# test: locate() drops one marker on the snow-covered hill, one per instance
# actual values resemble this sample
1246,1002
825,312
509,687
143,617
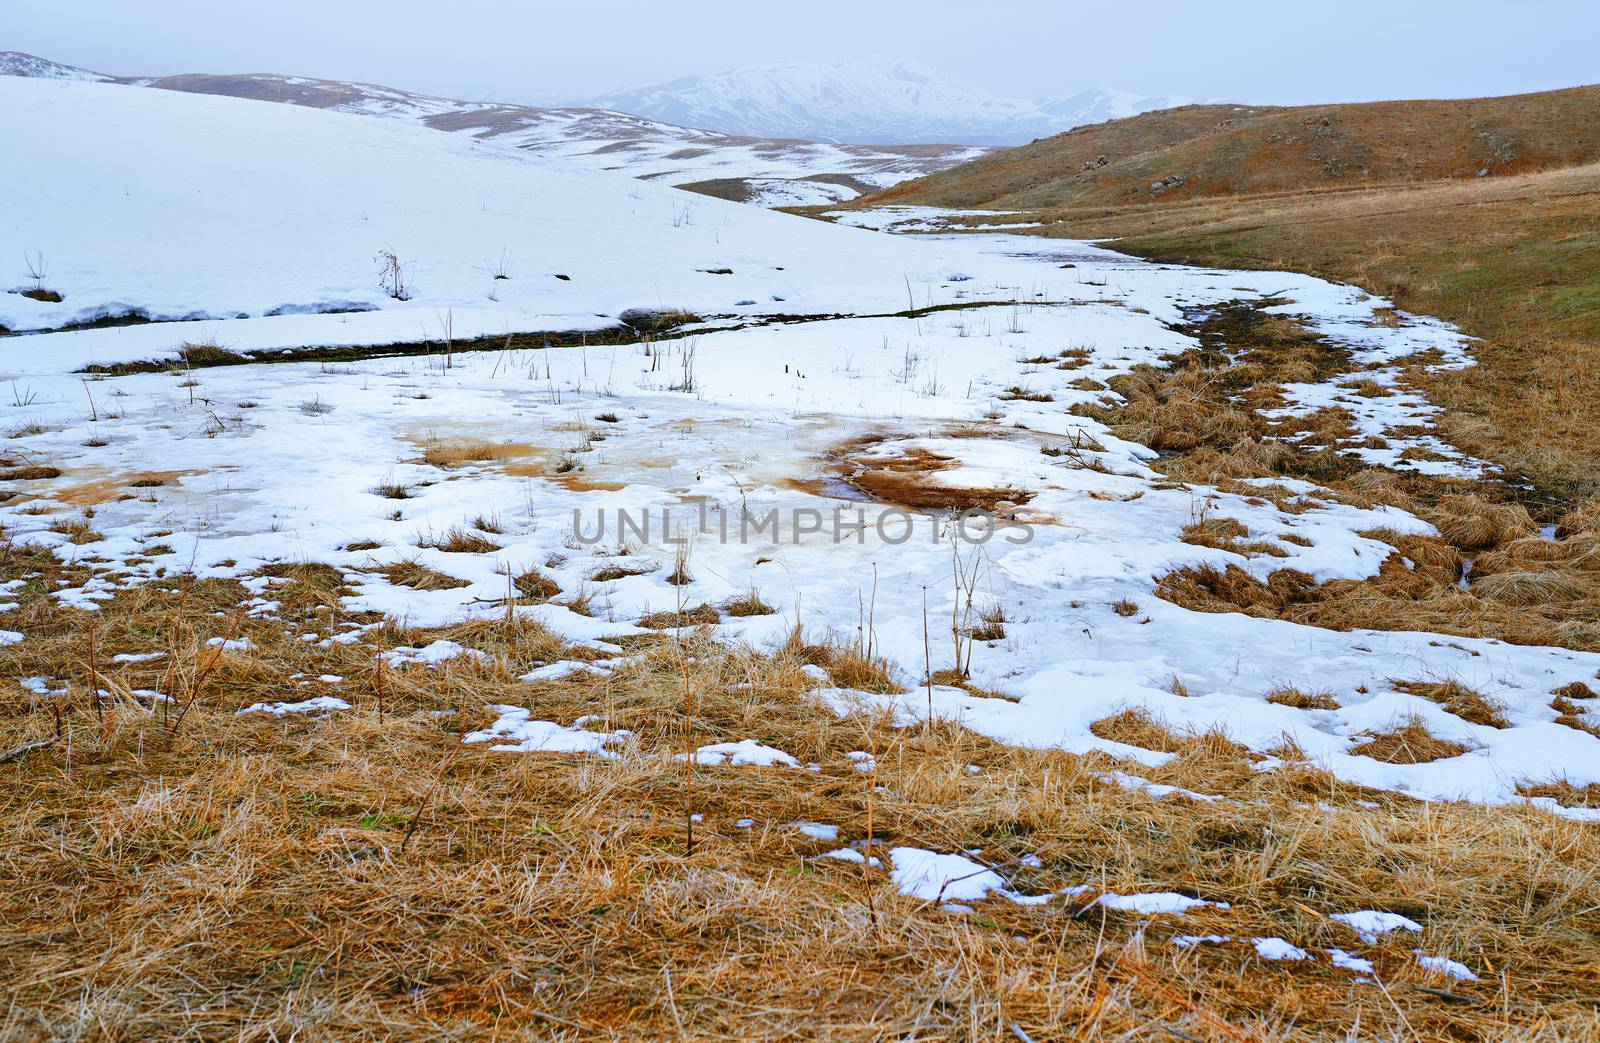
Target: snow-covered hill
285,208
1099,104
15,63
869,99
759,169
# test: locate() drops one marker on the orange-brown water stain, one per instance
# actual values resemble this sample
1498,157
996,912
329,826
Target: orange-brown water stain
98,490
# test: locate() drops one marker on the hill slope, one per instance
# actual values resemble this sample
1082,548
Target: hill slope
286,215
1220,150
765,170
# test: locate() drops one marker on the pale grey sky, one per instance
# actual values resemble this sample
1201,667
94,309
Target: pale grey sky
1246,50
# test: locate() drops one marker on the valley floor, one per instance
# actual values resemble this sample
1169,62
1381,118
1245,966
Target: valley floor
936,636
390,743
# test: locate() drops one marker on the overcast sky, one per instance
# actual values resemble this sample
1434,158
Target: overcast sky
1244,50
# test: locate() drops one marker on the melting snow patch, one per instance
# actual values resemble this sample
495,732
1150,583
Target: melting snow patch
236,644
565,668
1343,959
1155,789
430,655
930,876
743,752
1278,949
1447,967
137,657
849,854
817,830
321,702
1156,902
9,637
1372,925
515,733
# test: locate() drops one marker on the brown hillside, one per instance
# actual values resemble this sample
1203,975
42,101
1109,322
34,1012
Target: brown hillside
1215,150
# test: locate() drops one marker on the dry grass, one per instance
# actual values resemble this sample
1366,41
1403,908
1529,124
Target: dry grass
1407,742
1190,156
1564,793
366,876
417,576
696,616
451,454
747,604
30,474
1527,591
459,540
391,491
534,586
1228,534
615,571
1136,727
1514,260
1471,523
1300,699
1466,703
991,625
77,530
901,478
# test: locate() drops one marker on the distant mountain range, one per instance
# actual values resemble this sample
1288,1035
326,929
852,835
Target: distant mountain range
886,101
764,169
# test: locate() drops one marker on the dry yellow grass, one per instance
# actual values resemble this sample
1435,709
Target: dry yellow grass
1408,742
1300,699
414,574
1456,698
366,876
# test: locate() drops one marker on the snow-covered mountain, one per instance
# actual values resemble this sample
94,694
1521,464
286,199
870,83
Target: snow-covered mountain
1099,104
15,63
868,99
763,169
